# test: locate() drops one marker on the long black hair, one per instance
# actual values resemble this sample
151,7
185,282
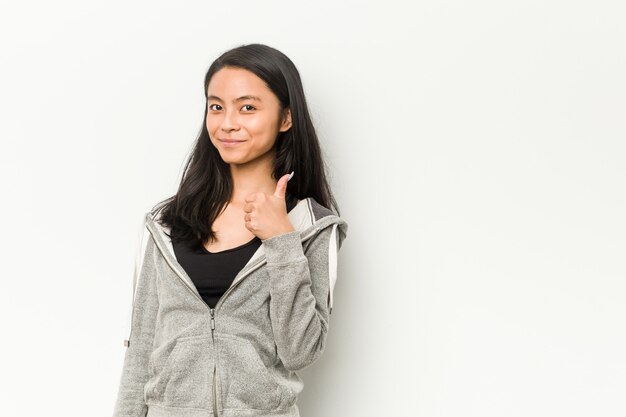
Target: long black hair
206,184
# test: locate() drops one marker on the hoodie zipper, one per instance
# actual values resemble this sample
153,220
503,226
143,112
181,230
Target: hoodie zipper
214,364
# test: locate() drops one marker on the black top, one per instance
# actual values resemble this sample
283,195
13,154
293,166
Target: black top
213,272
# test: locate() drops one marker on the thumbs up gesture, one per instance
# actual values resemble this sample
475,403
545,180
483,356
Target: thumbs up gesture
266,214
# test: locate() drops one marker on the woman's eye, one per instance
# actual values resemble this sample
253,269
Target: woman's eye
247,105
211,106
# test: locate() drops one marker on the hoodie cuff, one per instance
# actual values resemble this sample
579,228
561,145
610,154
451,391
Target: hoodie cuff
285,248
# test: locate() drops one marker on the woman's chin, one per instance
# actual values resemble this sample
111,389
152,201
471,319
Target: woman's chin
231,160
230,157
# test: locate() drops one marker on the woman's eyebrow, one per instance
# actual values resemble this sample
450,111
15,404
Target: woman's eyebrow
242,98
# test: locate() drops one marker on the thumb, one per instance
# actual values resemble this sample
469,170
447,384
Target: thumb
281,185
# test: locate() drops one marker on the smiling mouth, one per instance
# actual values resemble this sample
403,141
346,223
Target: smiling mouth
230,143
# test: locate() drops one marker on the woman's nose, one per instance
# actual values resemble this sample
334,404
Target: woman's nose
229,122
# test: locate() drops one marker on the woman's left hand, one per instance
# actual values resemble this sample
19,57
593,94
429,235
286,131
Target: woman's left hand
266,214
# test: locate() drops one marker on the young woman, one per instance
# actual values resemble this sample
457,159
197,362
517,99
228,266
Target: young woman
234,286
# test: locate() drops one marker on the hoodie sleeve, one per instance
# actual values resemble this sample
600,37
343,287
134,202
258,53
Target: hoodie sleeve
130,397
300,293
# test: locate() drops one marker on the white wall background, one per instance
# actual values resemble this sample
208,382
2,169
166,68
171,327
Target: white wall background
476,148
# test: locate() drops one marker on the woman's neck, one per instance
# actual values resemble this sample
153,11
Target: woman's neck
248,179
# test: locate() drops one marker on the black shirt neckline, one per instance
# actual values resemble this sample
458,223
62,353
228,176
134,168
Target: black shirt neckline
203,249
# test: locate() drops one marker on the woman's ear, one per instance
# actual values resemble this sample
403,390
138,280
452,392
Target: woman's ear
286,124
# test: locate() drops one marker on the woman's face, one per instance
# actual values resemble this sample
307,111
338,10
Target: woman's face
243,116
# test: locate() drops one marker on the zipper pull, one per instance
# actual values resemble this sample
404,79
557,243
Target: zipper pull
212,318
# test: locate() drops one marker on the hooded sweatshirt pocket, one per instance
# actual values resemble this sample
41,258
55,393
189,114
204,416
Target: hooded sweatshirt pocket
244,381
185,378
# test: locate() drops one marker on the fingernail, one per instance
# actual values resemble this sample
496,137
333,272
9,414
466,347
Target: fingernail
291,175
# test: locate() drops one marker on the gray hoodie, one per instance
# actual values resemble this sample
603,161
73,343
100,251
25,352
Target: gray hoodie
184,359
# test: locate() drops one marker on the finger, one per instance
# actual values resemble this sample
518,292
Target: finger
281,185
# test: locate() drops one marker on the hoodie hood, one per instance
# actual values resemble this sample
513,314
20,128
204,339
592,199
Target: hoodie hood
308,217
